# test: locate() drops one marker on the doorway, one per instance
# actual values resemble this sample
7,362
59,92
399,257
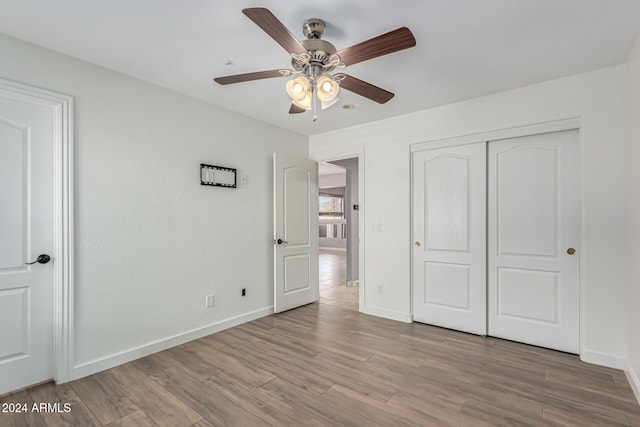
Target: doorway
338,233
36,261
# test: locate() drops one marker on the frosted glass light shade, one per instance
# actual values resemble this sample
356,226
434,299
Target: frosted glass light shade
304,102
327,88
298,88
327,104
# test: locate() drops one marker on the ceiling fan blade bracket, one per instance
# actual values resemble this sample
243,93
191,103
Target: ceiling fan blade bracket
339,77
300,60
335,62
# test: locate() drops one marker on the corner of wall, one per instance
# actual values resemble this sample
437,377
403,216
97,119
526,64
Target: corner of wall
634,380
603,359
632,368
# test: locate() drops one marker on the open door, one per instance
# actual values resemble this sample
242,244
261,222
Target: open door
295,232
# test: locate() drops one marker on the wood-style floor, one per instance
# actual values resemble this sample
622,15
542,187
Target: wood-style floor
322,365
333,279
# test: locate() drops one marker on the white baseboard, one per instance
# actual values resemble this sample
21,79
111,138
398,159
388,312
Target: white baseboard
117,359
387,314
634,380
603,359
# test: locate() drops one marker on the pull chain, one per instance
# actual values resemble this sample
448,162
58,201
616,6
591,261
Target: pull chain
315,102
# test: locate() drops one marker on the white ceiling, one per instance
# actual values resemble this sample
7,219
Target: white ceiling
329,169
465,48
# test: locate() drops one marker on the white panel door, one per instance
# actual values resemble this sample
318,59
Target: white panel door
26,231
533,237
295,242
449,250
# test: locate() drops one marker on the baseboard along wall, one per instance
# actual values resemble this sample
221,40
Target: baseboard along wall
121,358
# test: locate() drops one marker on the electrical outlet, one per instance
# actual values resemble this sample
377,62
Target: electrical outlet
244,292
209,301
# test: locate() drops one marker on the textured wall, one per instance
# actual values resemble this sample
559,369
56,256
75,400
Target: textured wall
150,241
633,159
597,98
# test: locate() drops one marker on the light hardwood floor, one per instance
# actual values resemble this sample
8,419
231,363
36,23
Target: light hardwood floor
322,365
333,277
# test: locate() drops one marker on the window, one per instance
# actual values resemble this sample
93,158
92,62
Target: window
331,206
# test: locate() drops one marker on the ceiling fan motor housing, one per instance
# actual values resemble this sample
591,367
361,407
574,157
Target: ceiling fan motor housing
320,51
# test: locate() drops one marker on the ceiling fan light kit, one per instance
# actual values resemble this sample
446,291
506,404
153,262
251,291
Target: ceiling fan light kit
313,60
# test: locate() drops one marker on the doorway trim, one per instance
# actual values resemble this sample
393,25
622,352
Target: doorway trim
63,269
361,209
515,132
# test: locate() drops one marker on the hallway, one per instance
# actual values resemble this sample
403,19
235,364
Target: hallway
333,276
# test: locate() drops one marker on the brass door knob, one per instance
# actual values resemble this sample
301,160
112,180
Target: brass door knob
571,251
417,244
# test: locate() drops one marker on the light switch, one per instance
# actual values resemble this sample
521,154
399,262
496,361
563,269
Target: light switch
377,227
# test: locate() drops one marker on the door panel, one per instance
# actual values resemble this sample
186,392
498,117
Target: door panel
533,219
296,228
447,285
528,295
296,194
297,273
529,205
26,230
449,278
13,157
446,208
14,305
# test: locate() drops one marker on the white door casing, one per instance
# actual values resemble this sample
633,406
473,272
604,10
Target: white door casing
449,248
534,219
296,275
35,218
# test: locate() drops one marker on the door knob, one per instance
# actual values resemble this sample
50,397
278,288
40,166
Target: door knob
280,242
571,251
42,259
417,244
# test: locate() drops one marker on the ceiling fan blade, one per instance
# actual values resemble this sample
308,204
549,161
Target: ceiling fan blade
393,41
247,77
365,89
296,110
266,20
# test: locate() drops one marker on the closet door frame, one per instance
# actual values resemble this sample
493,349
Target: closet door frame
514,132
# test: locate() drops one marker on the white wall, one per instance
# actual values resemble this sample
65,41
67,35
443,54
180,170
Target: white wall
150,241
596,97
353,264
633,161
332,180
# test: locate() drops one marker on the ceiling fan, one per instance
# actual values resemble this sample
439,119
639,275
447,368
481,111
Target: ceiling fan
313,60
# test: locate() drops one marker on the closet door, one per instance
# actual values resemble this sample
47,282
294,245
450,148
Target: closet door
533,240
449,245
